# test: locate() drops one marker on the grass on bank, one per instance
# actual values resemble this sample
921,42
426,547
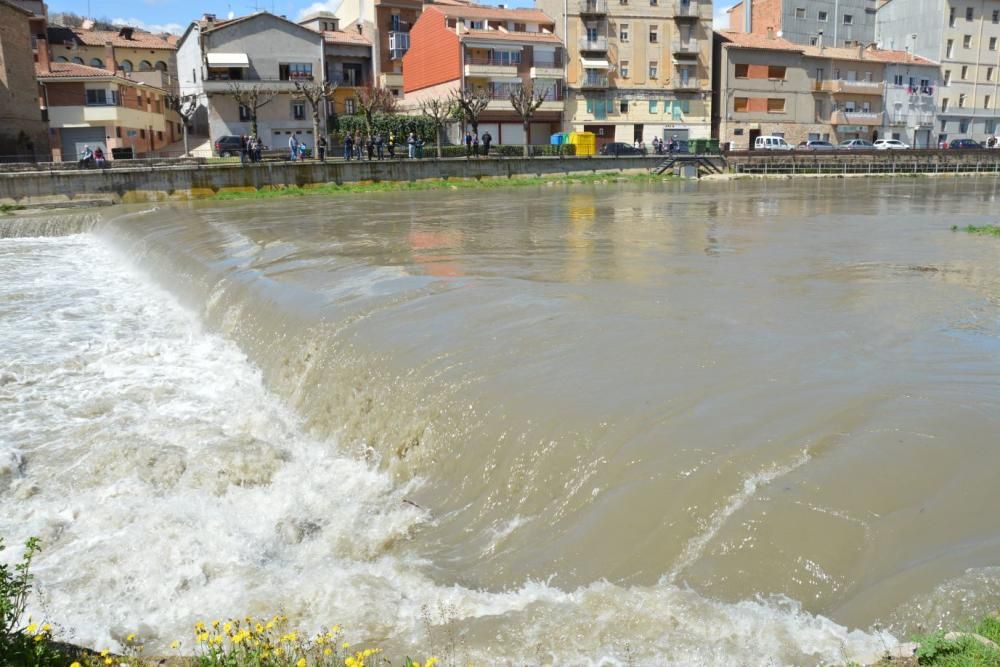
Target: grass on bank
439,184
982,230
10,208
272,642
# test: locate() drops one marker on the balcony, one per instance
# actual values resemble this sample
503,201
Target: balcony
903,119
548,68
486,66
352,81
390,80
685,83
593,7
499,95
594,81
682,49
225,85
842,87
686,10
866,118
596,44
399,44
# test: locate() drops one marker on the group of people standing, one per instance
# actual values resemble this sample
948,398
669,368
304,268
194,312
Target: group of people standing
251,148
472,145
374,146
670,146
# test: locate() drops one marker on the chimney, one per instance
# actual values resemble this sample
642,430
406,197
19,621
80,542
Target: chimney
109,56
819,41
209,18
770,32
44,57
748,16
358,26
861,50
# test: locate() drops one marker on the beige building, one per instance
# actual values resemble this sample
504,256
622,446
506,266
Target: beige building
765,85
637,69
23,133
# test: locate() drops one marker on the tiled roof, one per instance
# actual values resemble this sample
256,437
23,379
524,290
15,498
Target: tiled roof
71,70
742,40
11,5
352,37
486,12
513,36
140,40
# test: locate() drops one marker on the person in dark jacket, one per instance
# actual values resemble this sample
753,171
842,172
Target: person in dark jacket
348,147
487,140
468,143
321,148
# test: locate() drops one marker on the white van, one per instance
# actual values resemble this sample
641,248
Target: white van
771,143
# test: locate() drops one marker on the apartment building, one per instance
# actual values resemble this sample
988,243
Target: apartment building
808,22
23,133
386,24
766,85
636,69
260,51
92,106
455,47
151,58
963,37
348,59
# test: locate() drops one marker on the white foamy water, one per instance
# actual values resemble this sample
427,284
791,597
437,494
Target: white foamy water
168,485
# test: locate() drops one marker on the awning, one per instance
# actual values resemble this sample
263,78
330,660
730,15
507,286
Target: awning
228,60
595,64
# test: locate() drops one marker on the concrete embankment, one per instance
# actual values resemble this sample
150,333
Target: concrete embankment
165,181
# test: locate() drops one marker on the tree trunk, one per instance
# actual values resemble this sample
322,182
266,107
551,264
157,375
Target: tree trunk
527,137
253,123
315,115
438,135
184,129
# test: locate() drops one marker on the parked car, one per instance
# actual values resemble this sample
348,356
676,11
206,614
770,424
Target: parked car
965,143
855,145
815,145
227,146
890,145
771,143
621,148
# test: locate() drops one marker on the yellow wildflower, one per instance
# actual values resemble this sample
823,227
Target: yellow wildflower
108,661
39,638
31,629
130,638
345,645
431,662
203,637
227,627
46,628
326,651
215,625
270,625
75,664
335,629
199,626
173,644
301,663
104,653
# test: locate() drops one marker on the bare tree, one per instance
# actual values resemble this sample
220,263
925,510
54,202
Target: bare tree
472,102
184,106
252,97
526,101
373,100
439,110
316,93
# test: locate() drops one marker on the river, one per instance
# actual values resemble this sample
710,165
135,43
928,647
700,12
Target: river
717,423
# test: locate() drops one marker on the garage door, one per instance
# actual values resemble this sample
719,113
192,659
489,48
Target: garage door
74,140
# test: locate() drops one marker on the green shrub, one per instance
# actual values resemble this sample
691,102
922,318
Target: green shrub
21,641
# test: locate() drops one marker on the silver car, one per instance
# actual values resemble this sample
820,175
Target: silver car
890,145
855,145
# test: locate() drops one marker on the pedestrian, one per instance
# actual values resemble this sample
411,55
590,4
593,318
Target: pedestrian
487,140
370,145
420,148
359,146
475,145
379,144
293,148
258,148
86,156
302,150
348,147
244,148
99,158
392,145
411,145
468,143
321,148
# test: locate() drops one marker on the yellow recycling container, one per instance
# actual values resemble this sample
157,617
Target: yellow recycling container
585,142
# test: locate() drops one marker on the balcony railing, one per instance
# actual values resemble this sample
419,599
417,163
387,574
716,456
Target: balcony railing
348,81
250,78
842,86
686,9
597,44
685,83
593,7
869,118
548,63
594,81
552,93
491,61
682,48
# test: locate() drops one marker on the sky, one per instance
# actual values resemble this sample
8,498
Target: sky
175,15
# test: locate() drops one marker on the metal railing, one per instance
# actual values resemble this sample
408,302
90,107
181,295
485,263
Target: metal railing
597,44
594,81
593,7
491,61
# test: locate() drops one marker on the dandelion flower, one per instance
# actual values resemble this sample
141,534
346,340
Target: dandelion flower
326,651
46,628
104,653
431,662
174,644
108,661
130,638
32,628
75,664
39,638
227,627
346,645
301,663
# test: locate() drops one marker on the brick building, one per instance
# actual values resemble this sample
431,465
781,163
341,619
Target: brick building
457,47
23,133
808,22
347,59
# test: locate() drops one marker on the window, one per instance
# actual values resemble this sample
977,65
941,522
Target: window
118,132
742,71
653,69
951,17
142,134
622,2
101,98
194,75
776,72
818,103
741,104
849,107
623,106
965,72
244,114
738,132
96,62
991,127
475,25
947,77
349,107
996,15
160,66
145,66
800,12
848,19
775,105
159,135
944,105
623,69
866,107
394,23
623,32
295,71
653,3
298,110
961,101
869,77
822,16
951,48
652,106
967,41
654,35
963,126
897,80
813,40
78,60
989,73
968,13
986,101
993,43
